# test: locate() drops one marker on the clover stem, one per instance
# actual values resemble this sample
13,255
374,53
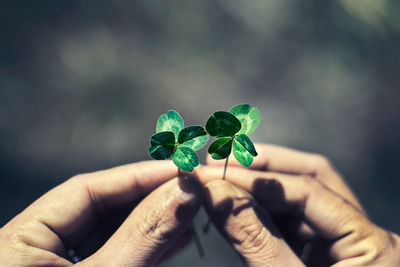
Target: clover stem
200,249
207,225
226,165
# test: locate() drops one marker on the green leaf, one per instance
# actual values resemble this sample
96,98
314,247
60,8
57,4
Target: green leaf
185,159
196,143
194,137
171,121
222,123
162,145
221,148
190,132
248,116
244,150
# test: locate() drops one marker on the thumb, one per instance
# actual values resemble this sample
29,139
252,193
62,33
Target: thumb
247,226
153,226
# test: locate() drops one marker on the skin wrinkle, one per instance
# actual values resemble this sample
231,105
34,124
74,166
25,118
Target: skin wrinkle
30,229
158,223
308,182
245,224
96,203
60,249
153,224
251,238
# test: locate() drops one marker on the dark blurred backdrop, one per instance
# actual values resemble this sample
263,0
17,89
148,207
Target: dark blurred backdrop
83,82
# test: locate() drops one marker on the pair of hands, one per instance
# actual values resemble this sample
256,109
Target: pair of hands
291,208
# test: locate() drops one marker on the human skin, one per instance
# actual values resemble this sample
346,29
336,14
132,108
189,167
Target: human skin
292,208
96,215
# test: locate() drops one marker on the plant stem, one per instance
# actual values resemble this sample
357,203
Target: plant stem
225,167
207,225
200,249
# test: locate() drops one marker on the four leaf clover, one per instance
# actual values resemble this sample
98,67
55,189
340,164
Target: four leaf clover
173,140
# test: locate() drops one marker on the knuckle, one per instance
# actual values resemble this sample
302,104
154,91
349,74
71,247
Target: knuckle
321,163
157,226
308,185
252,238
21,233
376,244
308,181
373,243
78,178
371,251
14,244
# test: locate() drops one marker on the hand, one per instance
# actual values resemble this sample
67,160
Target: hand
302,209
85,211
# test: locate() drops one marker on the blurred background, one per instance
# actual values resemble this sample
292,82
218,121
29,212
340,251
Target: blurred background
82,84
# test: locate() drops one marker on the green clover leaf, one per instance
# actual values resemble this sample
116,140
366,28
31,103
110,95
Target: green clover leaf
222,124
171,121
194,137
162,145
172,140
221,148
244,150
248,116
185,158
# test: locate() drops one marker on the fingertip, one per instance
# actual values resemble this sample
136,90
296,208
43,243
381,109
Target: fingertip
222,188
221,162
159,164
211,161
220,196
191,190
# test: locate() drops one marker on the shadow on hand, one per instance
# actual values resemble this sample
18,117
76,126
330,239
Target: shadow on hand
281,218
106,223
289,217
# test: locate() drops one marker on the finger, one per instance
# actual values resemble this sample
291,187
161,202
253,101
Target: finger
267,186
247,226
277,158
273,200
282,159
328,214
68,211
103,230
159,220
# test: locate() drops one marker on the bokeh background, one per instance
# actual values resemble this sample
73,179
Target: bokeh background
82,84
